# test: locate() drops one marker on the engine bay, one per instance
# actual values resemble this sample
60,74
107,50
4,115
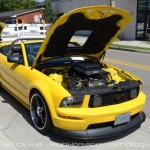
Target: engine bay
92,78
80,75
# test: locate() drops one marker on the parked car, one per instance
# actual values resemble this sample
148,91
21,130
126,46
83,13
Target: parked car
68,89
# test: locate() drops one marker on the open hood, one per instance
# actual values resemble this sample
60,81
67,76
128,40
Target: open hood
2,26
103,22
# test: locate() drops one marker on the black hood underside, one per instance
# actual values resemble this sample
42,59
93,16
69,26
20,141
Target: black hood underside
102,30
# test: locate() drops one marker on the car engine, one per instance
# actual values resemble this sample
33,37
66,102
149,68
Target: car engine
109,85
80,75
85,75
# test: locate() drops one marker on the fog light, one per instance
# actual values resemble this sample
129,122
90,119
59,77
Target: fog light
97,101
133,93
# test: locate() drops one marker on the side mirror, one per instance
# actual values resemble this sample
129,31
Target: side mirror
14,59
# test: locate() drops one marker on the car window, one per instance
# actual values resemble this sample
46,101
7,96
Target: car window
4,49
31,51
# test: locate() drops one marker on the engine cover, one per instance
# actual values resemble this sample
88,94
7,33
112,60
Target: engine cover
88,69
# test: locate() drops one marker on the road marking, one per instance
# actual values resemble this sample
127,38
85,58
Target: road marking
128,63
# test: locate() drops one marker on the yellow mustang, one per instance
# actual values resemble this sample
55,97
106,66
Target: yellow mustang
67,88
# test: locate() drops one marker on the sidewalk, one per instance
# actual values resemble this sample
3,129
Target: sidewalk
138,44
134,46
143,44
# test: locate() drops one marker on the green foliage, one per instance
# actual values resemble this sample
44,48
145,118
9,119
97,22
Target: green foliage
49,14
5,5
10,5
28,4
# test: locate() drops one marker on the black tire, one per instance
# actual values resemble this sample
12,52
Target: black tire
40,114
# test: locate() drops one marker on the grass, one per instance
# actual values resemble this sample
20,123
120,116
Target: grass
129,47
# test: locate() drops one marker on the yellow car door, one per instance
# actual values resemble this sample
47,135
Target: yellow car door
14,76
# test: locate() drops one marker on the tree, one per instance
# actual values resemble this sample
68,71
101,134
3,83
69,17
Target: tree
9,5
5,5
17,5
28,4
49,14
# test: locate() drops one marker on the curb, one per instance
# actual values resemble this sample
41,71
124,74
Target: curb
131,50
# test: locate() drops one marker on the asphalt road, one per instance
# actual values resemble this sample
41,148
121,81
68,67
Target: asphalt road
136,63
17,132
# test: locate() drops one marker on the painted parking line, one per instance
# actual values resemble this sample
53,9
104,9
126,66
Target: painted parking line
128,63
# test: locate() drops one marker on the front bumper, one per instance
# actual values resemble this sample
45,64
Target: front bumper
79,119
103,132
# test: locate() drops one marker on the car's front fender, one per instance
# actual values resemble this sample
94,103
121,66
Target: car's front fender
50,90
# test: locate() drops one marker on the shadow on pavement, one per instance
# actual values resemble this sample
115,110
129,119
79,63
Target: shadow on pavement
7,98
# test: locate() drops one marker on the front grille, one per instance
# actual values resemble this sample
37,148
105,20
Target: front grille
113,98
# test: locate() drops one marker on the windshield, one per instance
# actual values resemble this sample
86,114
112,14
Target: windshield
33,48
68,60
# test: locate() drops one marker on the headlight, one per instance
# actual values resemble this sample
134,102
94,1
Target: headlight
70,101
134,93
96,101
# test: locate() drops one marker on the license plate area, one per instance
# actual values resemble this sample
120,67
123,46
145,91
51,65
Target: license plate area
123,118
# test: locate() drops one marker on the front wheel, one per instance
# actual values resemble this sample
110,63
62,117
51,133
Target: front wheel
40,113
